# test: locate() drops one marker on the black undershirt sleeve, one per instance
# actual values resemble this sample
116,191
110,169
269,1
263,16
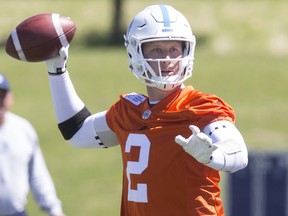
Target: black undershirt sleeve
69,127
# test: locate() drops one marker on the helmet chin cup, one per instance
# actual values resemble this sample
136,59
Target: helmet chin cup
166,83
159,23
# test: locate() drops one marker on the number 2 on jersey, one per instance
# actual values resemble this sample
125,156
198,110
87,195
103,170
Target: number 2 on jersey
137,167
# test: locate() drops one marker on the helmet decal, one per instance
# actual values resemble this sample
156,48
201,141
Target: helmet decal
165,15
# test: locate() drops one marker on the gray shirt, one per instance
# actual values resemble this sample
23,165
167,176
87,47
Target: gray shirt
22,166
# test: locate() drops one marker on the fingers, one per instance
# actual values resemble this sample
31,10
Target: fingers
198,145
63,52
197,133
180,140
204,137
195,130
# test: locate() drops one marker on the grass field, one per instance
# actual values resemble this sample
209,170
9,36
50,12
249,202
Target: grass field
241,56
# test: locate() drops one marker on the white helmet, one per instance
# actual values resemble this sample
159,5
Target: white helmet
159,23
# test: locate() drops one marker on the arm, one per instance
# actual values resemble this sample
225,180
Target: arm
74,120
220,146
41,183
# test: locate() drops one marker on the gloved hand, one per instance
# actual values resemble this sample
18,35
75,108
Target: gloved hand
57,65
199,145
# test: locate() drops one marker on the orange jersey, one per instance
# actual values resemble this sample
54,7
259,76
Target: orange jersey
159,177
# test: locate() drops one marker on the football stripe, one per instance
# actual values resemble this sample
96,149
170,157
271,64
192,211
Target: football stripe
58,28
165,15
17,45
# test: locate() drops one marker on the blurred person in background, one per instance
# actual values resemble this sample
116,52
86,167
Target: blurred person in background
22,165
164,173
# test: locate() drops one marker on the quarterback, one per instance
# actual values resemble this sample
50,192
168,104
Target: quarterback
175,140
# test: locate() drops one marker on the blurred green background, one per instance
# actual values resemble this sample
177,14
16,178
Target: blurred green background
241,56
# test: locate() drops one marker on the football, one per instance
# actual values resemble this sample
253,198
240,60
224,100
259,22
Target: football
40,37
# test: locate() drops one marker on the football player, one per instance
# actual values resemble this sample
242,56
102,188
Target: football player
175,140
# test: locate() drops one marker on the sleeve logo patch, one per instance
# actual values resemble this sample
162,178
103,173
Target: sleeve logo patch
135,98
